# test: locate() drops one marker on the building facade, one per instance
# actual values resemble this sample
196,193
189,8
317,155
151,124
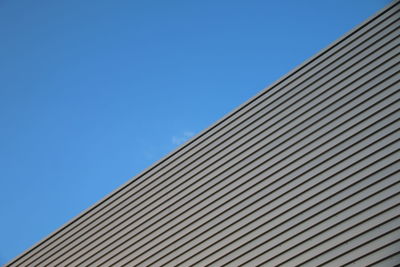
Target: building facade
304,173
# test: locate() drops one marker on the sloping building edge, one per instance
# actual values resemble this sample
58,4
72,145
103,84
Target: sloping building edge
197,141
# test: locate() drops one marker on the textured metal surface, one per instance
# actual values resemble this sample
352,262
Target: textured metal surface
306,172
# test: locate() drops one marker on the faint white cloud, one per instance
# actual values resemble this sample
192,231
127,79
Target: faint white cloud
178,140
148,155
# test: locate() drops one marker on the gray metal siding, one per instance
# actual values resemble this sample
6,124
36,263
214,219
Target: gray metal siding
306,172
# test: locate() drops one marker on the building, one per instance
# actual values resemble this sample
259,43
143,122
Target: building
304,173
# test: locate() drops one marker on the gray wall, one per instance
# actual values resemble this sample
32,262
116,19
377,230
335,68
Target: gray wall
305,172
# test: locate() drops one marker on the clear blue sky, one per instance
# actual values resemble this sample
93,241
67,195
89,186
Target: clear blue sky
93,92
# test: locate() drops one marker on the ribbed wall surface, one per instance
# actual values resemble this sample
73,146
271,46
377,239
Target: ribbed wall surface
306,172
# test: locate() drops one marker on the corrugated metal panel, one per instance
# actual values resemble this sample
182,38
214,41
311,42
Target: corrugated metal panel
306,172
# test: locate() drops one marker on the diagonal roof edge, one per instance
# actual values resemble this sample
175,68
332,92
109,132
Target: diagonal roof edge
211,130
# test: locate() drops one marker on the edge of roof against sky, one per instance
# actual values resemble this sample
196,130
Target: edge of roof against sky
313,58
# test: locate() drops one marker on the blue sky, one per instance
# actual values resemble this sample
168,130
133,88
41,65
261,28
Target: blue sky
94,92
